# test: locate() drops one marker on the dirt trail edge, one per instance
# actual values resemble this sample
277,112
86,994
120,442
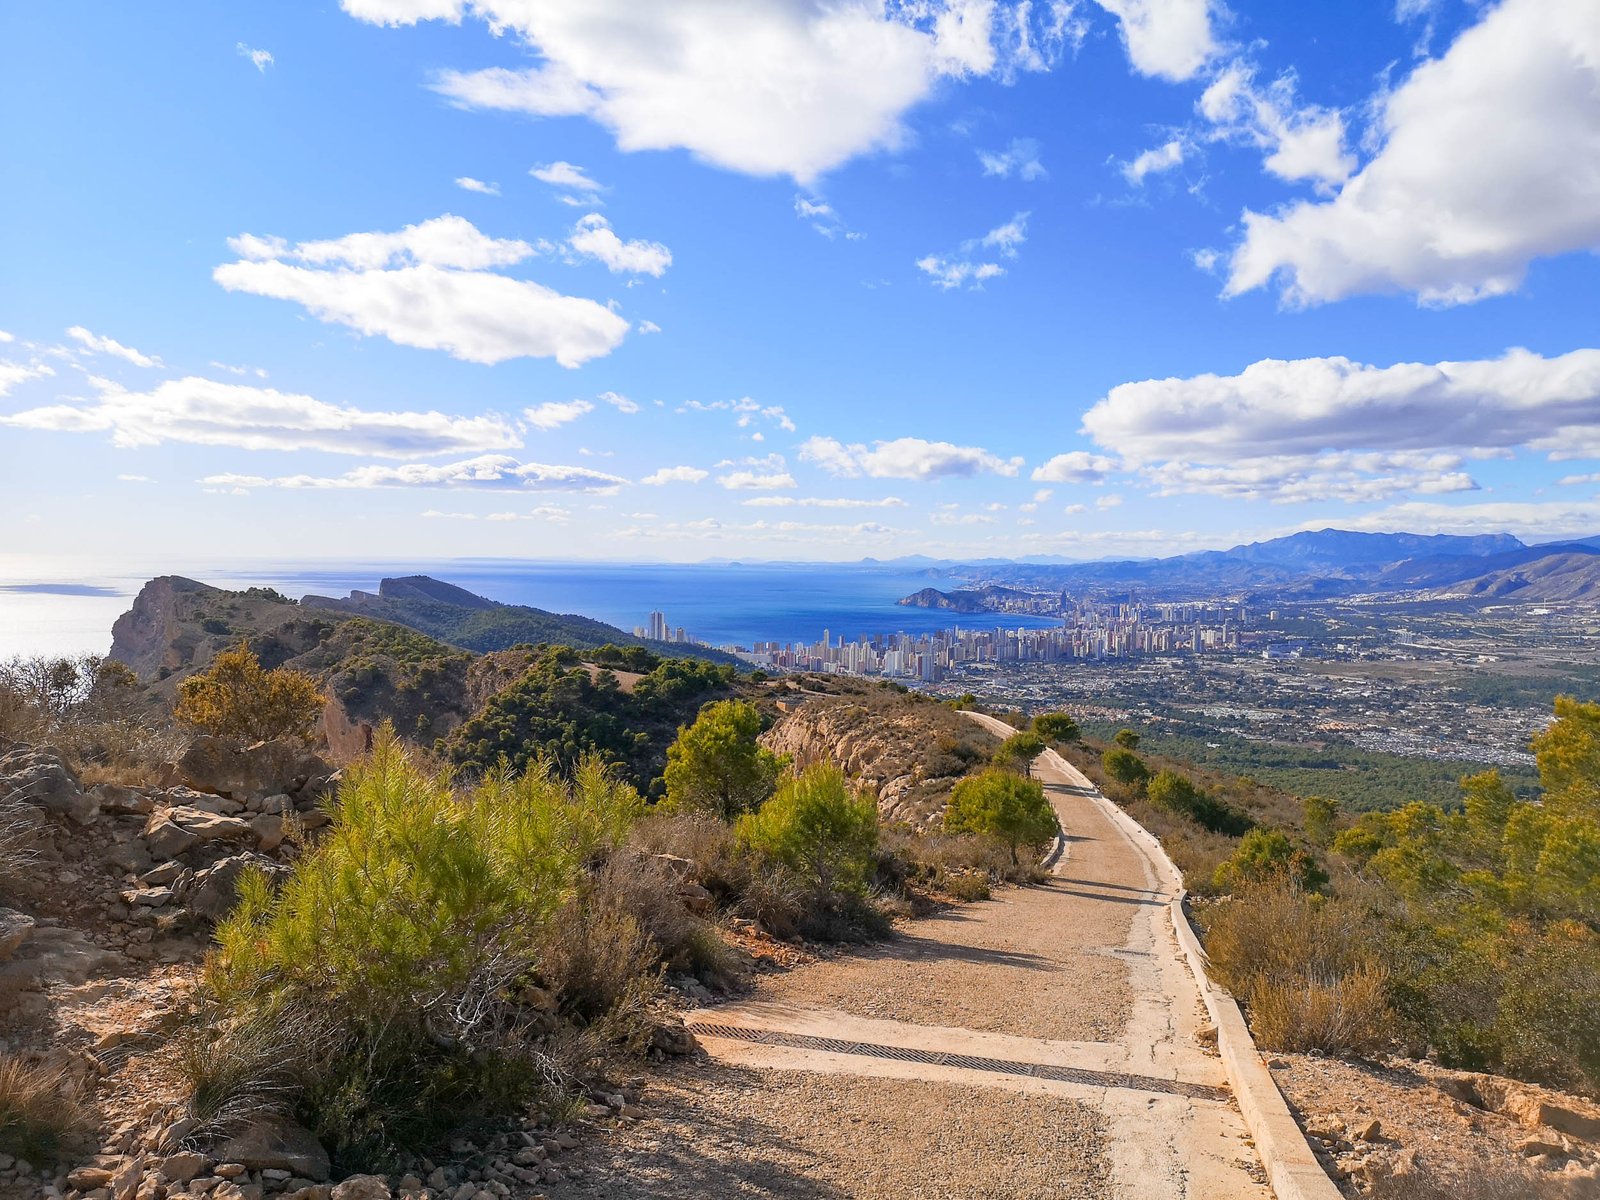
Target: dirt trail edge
1075,991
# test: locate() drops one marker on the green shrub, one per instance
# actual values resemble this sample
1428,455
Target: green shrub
1128,739
1265,855
820,827
236,698
1056,727
1004,805
399,957
1178,794
1018,750
967,887
717,766
1125,767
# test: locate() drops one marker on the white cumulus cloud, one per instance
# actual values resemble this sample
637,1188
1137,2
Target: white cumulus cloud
489,472
555,413
1153,162
793,88
205,412
1075,466
430,286
675,475
468,184
1169,39
593,238
1486,164
905,458
96,344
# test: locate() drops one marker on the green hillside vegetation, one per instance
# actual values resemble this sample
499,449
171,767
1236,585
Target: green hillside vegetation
1467,930
561,709
1360,780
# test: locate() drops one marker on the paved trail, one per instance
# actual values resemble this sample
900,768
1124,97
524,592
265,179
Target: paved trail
1043,1044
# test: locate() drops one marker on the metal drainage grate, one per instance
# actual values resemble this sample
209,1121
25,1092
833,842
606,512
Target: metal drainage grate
997,1066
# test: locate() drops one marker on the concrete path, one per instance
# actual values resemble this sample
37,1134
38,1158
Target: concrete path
1075,989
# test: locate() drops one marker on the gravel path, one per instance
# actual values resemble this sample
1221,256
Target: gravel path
1085,967
1033,963
715,1131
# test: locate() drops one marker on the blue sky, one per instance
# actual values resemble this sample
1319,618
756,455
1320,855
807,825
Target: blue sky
707,278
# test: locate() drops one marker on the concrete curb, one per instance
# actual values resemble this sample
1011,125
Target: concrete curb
1292,1168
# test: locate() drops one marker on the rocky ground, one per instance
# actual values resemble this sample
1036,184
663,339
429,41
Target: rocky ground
1414,1130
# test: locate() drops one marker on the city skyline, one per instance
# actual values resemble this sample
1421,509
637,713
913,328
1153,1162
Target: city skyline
968,278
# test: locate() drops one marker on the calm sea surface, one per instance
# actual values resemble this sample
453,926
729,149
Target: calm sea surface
65,611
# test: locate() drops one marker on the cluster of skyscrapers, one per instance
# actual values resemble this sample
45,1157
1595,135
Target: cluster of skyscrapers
657,630
1125,631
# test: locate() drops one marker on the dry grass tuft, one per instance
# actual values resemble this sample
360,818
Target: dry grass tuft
44,1110
1304,967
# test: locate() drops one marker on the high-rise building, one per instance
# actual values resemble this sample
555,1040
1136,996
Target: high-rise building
658,627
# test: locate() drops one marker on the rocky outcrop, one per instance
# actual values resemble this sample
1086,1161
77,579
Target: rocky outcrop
152,634
283,766
39,777
909,749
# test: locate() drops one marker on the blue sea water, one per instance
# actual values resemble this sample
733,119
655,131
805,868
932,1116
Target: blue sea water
722,604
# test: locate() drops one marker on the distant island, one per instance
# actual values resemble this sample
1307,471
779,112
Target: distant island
989,598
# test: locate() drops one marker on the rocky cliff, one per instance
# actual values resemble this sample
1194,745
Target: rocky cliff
909,748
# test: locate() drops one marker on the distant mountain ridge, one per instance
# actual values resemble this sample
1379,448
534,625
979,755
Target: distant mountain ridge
1325,562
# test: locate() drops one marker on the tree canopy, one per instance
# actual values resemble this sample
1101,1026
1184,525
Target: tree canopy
1003,805
236,698
717,766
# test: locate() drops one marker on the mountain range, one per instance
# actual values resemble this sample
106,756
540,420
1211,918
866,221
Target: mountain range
1334,562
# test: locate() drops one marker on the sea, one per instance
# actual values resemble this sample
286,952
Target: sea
67,607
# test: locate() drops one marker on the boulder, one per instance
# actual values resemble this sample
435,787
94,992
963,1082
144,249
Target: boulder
278,1146
122,801
269,829
180,1168
217,765
1534,1109
212,891
210,826
43,780
166,839
363,1187
14,930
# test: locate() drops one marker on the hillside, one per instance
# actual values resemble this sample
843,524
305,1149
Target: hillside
1572,574
457,616
557,695
1326,562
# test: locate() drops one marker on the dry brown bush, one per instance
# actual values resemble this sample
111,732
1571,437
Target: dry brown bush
44,1109
1304,967
646,887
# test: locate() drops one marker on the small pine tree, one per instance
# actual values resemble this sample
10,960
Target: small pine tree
1004,805
717,766
820,826
1056,727
236,698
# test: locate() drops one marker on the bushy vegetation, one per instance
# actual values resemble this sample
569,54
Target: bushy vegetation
820,827
1003,805
1309,977
235,697
44,1110
1482,921
404,977
1056,727
1178,794
717,766
560,710
1018,750
90,707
